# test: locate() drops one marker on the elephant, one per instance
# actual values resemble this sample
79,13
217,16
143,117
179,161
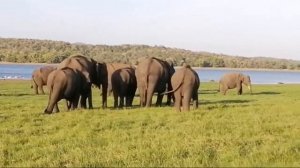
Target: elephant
94,73
39,78
112,67
154,75
65,83
123,86
185,83
234,80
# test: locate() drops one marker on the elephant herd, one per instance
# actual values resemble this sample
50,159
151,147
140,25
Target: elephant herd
73,78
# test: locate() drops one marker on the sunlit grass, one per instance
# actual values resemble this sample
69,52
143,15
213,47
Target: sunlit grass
262,129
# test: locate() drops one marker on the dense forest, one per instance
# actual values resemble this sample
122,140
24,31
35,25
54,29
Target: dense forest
46,51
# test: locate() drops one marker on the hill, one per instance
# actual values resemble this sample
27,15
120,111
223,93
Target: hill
47,51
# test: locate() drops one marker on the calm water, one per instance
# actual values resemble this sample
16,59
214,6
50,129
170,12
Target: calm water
18,71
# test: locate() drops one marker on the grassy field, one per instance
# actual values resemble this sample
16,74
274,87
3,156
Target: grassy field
262,129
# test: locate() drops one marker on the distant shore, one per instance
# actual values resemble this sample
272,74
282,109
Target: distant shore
243,69
196,68
28,63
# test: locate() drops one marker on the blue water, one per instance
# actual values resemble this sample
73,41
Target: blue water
20,71
257,77
17,71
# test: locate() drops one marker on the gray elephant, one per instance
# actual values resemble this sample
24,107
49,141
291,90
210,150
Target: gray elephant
94,73
124,86
234,80
112,67
39,78
154,75
65,83
185,83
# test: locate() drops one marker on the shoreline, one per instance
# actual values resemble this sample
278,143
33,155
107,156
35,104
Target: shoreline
176,67
25,79
242,69
28,63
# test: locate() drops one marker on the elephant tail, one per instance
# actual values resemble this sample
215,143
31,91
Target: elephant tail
173,89
181,82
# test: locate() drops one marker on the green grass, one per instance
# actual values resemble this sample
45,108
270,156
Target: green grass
262,129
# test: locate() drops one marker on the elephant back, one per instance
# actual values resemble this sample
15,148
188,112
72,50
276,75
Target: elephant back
86,66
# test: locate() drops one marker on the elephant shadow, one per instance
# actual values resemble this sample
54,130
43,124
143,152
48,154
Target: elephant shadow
266,93
207,102
134,106
208,91
225,103
16,95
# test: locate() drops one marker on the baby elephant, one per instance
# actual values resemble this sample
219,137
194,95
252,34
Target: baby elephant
234,80
185,83
39,78
124,86
66,84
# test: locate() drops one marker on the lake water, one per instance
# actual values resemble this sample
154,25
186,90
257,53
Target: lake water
21,71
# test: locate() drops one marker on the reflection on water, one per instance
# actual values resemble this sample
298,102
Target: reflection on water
21,71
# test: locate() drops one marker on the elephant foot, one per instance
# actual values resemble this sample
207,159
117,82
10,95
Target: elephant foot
47,112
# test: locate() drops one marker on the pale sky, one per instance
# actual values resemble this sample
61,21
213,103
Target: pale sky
236,27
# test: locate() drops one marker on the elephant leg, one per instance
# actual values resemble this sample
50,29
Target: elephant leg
170,98
89,96
121,105
127,101
239,90
224,89
186,101
159,99
141,98
75,102
195,100
169,95
41,89
48,110
68,105
35,87
178,100
55,110
150,91
104,96
115,99
52,102
83,101
142,91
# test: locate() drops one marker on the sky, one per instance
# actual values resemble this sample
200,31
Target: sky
269,28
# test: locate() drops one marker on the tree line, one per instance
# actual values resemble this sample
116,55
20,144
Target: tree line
47,51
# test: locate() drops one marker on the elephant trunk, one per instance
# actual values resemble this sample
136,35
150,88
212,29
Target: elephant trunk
250,88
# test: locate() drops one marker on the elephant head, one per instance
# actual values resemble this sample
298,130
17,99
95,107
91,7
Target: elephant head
245,79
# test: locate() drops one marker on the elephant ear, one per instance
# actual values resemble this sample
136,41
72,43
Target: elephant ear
101,73
87,76
241,77
98,74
